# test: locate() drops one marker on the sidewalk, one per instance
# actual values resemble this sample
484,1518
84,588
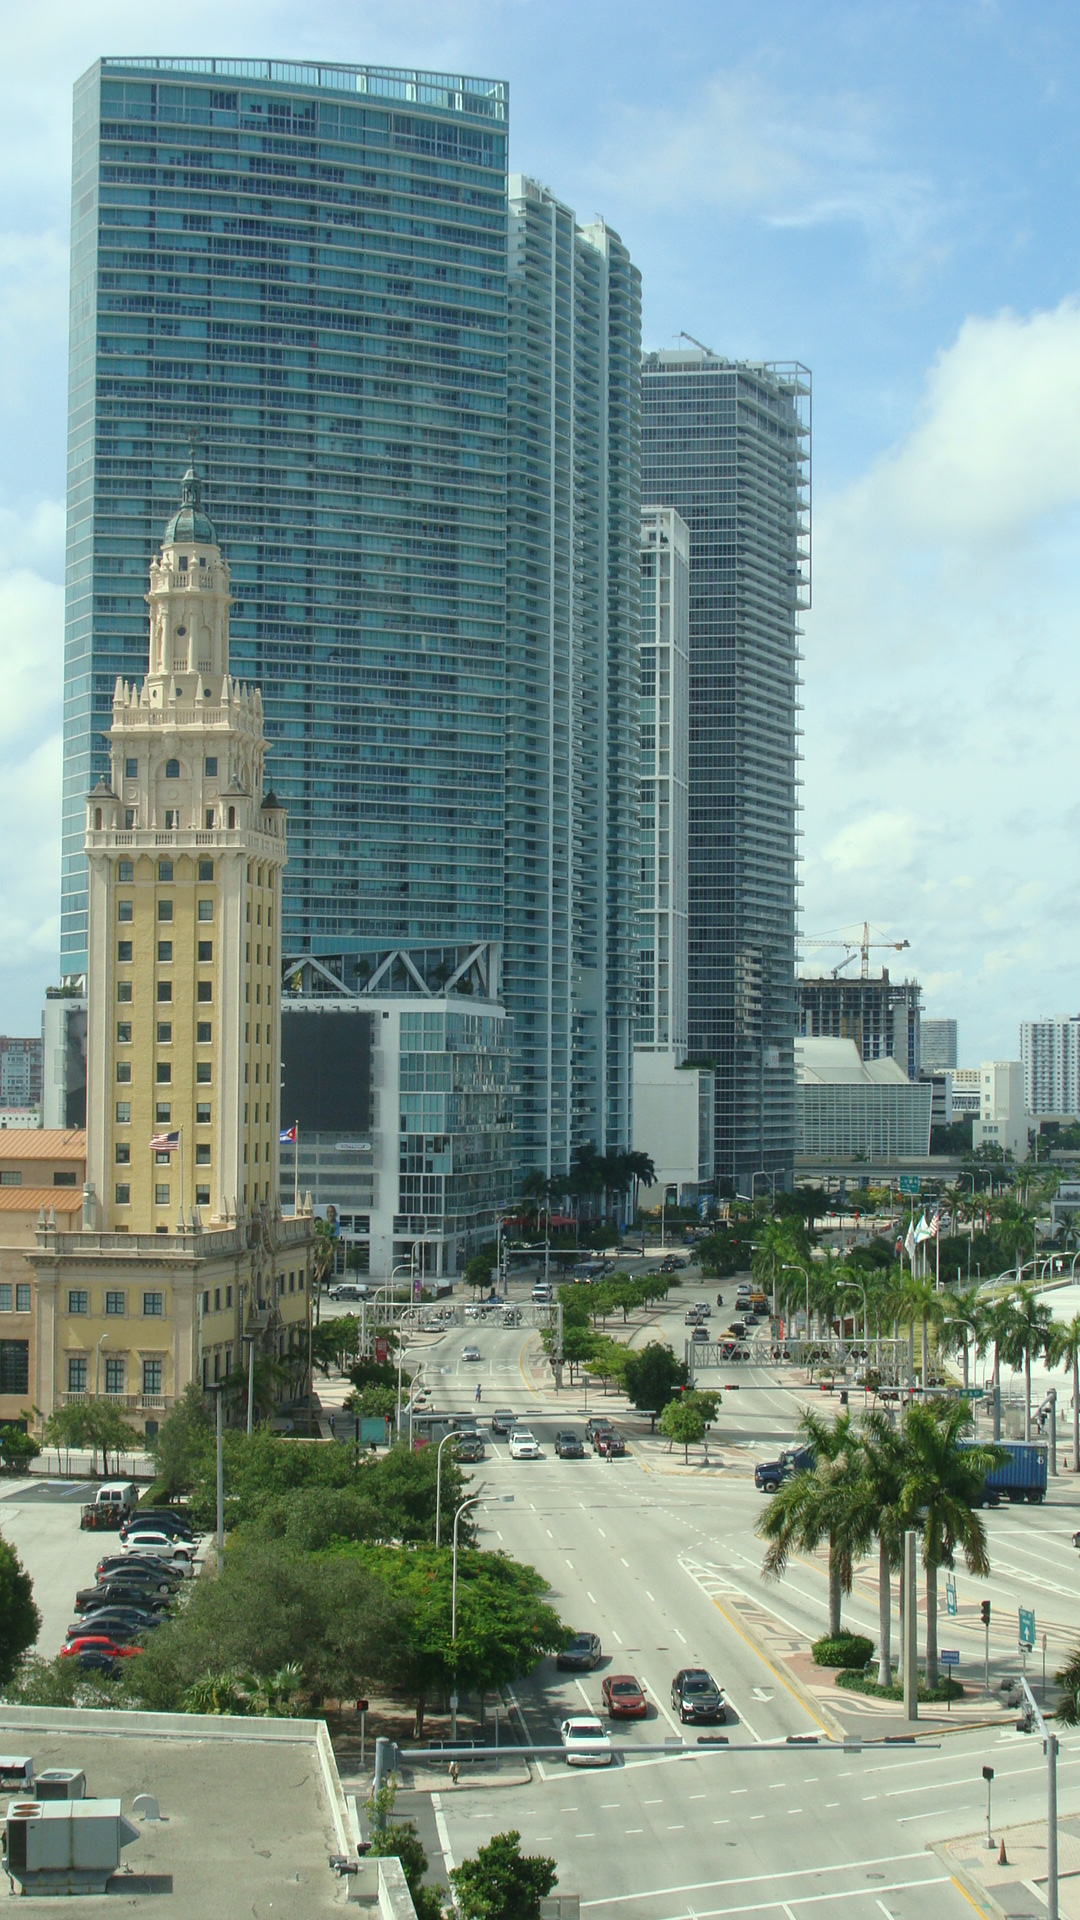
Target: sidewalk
1016,1891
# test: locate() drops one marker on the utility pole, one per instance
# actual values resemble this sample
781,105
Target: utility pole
911,1625
1050,1748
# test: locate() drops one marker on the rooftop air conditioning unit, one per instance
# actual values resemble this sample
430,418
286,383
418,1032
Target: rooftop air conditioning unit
65,1846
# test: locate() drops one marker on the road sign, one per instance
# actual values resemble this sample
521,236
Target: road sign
1027,1627
909,1183
950,1596
949,1658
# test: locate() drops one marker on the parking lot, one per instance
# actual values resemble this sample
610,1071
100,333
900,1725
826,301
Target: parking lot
40,1519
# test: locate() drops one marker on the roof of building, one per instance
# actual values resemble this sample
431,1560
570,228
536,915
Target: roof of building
32,1199
44,1143
250,1812
838,1063
189,522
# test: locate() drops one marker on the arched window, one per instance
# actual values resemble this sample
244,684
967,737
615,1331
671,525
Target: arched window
232,816
97,819
172,769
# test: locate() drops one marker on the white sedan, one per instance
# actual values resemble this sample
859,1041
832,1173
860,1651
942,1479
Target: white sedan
585,1744
523,1445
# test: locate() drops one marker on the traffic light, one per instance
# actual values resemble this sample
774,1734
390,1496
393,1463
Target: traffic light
361,1706
986,1613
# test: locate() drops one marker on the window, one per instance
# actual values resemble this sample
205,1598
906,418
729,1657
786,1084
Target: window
123,1072
131,769
14,1366
217,1366
153,1305
164,870
5,1296
206,910
202,1113
206,869
22,1297
162,1112
164,949
205,950
202,1032
123,1196
78,1300
202,1156
164,1032
232,816
209,818
129,818
206,1302
204,990
114,1376
123,992
172,769
162,1157
76,1373
123,951
228,1296
172,819
292,1283
163,1073
123,1113
217,1299
161,1194
123,1153
211,773
63,1179
125,871
151,1377
164,991
125,909
114,1302
123,1032
10,1177
202,1073
164,909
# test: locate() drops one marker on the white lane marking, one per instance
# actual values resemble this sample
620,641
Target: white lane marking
590,1597
549,1533
616,1636
787,1873
601,1532
650,1596
626,1563
580,1685
681,1636
908,1819
443,1832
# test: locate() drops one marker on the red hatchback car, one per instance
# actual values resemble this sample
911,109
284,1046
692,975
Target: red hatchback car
623,1697
97,1643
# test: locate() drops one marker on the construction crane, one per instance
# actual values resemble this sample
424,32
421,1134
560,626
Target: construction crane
861,947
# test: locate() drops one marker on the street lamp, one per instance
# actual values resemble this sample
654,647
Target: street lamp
438,1481
789,1266
474,1500
97,1367
852,1282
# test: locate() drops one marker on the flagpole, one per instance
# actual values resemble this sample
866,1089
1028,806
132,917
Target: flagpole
181,1132
296,1168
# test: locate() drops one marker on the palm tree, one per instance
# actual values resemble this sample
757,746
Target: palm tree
1065,1349
642,1174
969,1312
882,1466
820,1504
1027,1329
942,1480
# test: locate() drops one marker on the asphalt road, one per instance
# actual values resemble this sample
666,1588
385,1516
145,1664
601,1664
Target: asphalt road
40,1519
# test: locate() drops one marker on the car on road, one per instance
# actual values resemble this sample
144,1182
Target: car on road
737,1329
601,1428
594,1422
503,1420
581,1654
161,1545
523,1445
769,1474
585,1744
623,1697
100,1646
692,1316
346,1291
696,1696
470,1448
511,1317
610,1444
731,1350
568,1446
700,1333
470,1353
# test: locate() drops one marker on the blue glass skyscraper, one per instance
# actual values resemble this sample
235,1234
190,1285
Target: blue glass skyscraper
305,267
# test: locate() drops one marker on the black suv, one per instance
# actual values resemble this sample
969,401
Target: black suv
470,1447
696,1696
582,1654
768,1474
568,1446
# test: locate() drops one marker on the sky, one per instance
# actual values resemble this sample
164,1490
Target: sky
885,192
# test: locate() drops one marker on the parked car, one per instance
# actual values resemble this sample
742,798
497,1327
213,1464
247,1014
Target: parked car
502,1420
581,1654
176,1529
115,1593
100,1646
623,1697
568,1446
611,1444
768,1474
696,1696
161,1545
170,1573
470,1448
523,1445
585,1743
124,1620
470,1353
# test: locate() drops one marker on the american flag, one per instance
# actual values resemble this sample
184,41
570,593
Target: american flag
935,1223
164,1142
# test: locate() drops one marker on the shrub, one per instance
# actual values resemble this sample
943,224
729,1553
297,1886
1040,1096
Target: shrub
851,1650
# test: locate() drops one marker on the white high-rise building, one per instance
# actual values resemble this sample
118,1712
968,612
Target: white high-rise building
1050,1051
661,1014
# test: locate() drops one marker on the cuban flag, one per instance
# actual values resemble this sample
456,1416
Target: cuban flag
164,1142
287,1136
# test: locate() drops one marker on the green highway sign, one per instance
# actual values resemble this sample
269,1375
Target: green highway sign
1027,1627
909,1183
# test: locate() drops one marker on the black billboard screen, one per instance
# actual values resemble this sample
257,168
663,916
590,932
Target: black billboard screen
326,1071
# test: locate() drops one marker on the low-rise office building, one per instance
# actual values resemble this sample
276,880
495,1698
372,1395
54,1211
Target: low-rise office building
41,1179
848,1108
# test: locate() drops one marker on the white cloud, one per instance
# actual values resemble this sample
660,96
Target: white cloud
943,707
31,682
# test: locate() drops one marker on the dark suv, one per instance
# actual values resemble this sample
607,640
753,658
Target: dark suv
768,1474
581,1655
696,1696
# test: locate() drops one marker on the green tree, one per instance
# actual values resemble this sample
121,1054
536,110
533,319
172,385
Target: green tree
323,1261
399,1840
378,1373
607,1360
479,1271
1065,1352
17,1447
184,1442
1068,1679
579,1342
372,1403
20,1621
1027,1330
820,1504
502,1883
335,1342
91,1426
942,1481
652,1376
683,1423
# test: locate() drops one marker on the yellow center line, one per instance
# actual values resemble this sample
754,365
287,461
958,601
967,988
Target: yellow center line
795,1694
971,1903
535,1391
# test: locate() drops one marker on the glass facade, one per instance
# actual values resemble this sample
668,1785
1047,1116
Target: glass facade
306,267
572,676
728,445
660,1018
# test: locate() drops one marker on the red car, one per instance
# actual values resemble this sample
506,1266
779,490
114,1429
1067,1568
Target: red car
97,1643
609,1442
623,1697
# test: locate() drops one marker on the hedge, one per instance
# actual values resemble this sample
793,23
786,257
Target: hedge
847,1650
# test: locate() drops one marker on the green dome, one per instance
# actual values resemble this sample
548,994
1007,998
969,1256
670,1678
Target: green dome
189,522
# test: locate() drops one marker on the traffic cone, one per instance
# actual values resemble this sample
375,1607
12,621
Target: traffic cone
1003,1858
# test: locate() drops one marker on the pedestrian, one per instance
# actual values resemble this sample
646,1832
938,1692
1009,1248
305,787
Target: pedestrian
453,1771
477,1395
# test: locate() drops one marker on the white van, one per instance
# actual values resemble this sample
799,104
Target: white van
542,1293
121,1496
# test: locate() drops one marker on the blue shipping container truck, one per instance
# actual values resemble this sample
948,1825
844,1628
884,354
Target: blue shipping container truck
1021,1477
